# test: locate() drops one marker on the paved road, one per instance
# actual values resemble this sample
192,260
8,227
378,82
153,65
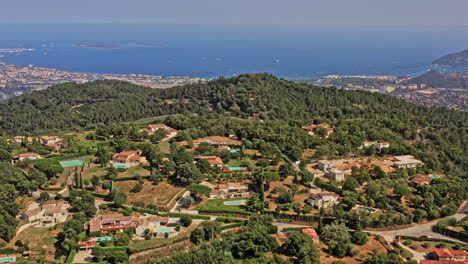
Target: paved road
419,230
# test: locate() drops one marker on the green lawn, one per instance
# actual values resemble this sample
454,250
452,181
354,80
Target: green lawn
164,147
156,242
218,206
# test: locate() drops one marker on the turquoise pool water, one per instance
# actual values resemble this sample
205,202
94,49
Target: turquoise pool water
238,202
120,166
234,151
434,176
367,209
163,230
236,168
7,260
102,239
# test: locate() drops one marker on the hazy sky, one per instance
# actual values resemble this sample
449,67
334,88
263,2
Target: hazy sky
373,12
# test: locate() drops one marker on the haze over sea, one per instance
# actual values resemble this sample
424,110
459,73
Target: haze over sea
289,51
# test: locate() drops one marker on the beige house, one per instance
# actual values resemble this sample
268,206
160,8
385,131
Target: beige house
324,199
407,161
335,174
230,190
28,156
48,213
129,158
171,132
119,222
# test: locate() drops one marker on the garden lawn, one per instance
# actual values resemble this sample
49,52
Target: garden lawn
218,206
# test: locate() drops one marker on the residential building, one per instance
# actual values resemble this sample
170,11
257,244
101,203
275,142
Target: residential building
119,222
443,262
27,156
310,232
214,161
50,140
421,179
335,174
21,139
313,129
447,254
325,164
224,148
129,158
324,199
230,190
48,213
378,145
407,161
171,132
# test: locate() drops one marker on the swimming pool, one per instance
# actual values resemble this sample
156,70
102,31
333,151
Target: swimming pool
434,176
367,209
7,260
236,168
102,239
234,151
238,202
163,230
120,166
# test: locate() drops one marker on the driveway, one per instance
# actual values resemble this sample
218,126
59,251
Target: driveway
418,230
178,205
83,256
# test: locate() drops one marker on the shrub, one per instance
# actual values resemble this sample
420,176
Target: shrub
185,220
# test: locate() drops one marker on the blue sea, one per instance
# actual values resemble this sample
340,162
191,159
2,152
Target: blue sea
289,51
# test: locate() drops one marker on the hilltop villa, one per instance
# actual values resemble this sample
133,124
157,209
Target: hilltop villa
129,158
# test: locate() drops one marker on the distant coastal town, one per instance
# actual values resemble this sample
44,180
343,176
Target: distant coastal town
16,80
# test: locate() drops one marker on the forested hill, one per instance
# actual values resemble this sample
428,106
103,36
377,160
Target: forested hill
71,105
457,60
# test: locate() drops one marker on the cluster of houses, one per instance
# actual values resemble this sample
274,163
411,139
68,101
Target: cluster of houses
128,159
229,190
48,214
170,132
330,171
312,129
447,256
49,141
214,161
119,222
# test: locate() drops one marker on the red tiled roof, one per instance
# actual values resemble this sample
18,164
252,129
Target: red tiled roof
443,262
442,252
310,232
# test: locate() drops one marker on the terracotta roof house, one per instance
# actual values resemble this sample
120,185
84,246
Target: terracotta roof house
323,199
222,148
129,158
447,254
313,129
443,262
213,160
28,156
312,234
49,213
421,179
50,140
171,132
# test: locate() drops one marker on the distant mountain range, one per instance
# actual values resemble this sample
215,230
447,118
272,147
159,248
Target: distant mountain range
456,60
437,79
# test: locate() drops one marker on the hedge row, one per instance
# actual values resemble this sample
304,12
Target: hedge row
463,236
116,248
56,189
217,211
232,226
134,250
201,217
224,219
131,178
71,256
145,210
428,239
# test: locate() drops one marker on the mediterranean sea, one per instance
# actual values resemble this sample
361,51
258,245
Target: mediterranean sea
208,51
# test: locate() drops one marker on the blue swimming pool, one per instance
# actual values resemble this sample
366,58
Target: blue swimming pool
102,239
434,176
163,230
238,202
234,151
120,166
7,260
236,168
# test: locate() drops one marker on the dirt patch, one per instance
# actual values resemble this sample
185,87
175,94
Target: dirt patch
365,251
39,239
160,194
